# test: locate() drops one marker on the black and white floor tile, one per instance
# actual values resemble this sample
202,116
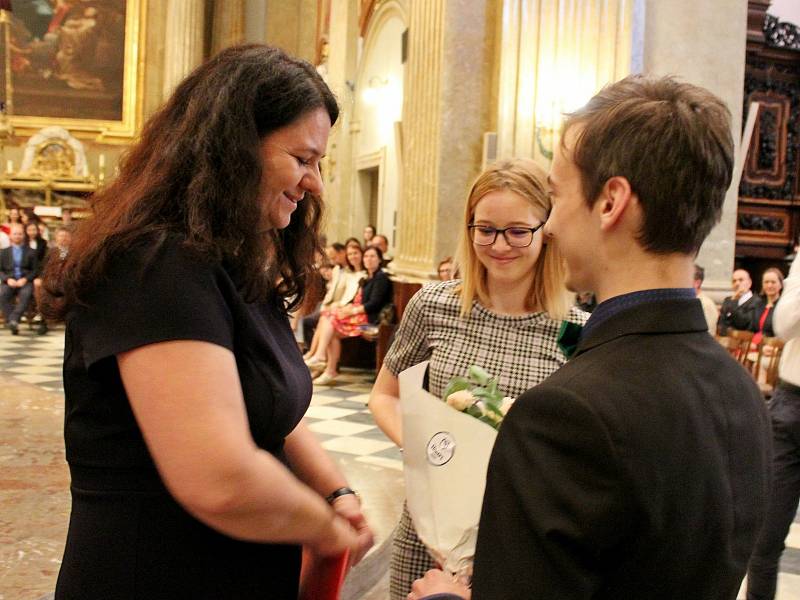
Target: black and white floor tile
338,413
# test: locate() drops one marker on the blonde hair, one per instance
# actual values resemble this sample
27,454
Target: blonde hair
527,179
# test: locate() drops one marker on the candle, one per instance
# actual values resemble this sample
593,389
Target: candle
9,167
102,162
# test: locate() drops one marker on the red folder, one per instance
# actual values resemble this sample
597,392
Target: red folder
322,578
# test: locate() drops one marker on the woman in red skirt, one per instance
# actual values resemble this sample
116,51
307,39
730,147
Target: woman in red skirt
375,293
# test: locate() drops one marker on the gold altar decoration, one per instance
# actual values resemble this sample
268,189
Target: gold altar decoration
53,168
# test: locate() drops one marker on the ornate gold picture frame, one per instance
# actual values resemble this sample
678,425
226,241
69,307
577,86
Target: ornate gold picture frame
81,69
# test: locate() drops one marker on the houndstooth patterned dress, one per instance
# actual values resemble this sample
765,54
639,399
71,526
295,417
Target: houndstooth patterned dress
520,351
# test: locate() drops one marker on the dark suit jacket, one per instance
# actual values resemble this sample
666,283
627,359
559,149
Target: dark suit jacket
744,317
638,470
7,263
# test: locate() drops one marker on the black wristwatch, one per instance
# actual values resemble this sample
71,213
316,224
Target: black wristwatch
342,491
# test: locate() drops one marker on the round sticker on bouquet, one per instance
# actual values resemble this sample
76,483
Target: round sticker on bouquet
441,448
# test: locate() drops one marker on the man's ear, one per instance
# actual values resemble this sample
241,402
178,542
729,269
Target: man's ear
613,202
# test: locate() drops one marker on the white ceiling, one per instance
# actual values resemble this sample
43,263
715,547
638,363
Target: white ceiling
786,10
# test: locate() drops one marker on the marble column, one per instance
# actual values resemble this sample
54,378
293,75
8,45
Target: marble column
228,25
338,167
184,41
704,43
447,108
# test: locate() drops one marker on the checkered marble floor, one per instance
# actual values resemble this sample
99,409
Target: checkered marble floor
340,418
32,358
338,414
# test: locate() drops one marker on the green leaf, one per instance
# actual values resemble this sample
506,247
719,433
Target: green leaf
456,385
492,407
479,374
474,411
480,392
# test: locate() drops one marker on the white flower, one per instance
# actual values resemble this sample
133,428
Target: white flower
506,404
461,400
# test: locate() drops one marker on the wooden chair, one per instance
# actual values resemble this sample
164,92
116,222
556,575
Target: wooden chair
738,344
765,369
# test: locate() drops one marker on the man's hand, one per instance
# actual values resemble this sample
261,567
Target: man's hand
22,281
438,582
11,282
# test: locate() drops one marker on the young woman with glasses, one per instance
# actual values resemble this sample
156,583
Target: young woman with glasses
503,314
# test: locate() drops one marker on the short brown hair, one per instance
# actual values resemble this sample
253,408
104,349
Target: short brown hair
672,142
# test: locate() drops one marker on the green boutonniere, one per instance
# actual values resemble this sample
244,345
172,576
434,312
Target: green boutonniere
568,336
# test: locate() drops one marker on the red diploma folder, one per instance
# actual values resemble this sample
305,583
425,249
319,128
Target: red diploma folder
321,578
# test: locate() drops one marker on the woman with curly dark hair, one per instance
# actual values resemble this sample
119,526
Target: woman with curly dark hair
193,475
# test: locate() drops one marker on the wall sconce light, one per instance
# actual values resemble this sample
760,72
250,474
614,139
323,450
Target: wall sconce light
375,88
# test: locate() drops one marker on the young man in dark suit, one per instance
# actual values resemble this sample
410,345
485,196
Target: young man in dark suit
640,469
17,267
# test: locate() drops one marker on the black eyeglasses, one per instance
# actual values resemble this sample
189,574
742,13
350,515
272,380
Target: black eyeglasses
516,237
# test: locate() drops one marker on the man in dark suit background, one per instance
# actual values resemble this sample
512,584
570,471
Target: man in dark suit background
742,309
640,469
17,267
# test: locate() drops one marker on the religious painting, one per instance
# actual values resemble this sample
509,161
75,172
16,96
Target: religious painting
75,63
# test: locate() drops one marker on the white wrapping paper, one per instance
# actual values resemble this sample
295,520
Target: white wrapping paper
445,456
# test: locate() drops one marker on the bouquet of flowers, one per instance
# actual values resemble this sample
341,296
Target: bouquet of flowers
478,396
445,456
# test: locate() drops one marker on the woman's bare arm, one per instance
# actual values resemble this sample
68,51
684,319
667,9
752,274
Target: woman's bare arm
187,399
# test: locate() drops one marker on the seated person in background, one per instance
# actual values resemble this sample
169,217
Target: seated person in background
771,287
710,310
67,221
342,289
353,241
17,269
12,217
369,233
44,231
446,269
337,254
39,247
375,293
381,242
62,241
741,310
